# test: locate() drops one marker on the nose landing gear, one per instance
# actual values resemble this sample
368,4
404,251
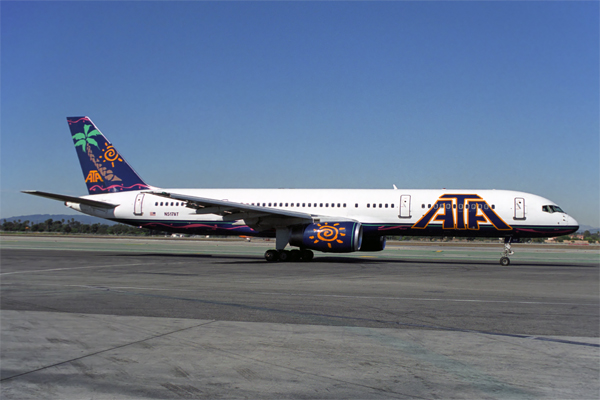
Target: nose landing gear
504,260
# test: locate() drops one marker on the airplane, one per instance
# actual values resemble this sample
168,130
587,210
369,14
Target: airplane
325,220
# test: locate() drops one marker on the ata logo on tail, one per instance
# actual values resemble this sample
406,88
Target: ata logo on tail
463,212
93,176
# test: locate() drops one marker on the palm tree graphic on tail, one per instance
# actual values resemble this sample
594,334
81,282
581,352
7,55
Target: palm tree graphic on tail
85,140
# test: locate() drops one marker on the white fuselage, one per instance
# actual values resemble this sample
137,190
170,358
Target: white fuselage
447,212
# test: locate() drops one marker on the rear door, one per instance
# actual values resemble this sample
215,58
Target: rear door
137,206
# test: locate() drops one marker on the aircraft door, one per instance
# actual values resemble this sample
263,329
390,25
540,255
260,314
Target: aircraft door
519,208
404,206
137,206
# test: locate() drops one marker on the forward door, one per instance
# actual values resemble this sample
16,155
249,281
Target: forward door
519,208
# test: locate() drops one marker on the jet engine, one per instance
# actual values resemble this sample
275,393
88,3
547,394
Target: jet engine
331,237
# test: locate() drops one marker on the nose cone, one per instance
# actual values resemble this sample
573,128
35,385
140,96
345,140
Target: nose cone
572,223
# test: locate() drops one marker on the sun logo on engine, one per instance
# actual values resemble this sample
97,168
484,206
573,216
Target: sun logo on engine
328,233
110,155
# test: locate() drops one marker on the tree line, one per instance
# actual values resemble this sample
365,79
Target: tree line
73,226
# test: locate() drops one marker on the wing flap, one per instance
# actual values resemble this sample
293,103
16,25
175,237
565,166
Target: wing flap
232,211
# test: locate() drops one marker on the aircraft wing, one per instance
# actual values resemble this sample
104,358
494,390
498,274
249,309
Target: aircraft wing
71,199
256,217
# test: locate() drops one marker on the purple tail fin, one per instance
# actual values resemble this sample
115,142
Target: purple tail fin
104,169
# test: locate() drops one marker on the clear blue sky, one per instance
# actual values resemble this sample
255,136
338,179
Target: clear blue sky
500,95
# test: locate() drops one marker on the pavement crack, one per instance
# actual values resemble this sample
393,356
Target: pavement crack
106,350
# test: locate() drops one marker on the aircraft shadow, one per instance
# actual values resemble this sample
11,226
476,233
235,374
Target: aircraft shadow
252,259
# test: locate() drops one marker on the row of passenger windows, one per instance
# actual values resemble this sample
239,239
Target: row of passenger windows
333,205
343,205
460,206
173,204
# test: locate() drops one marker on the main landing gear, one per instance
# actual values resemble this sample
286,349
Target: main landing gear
282,238
504,260
291,255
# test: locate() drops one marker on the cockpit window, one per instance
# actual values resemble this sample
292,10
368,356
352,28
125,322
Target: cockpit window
552,209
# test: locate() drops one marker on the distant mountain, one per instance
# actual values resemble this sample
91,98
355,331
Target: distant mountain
583,228
37,218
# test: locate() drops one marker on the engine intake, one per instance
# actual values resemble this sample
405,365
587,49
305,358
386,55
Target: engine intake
373,243
331,237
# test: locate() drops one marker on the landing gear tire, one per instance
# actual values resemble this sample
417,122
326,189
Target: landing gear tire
271,255
284,255
504,261
295,255
306,255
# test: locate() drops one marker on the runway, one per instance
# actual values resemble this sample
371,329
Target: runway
107,318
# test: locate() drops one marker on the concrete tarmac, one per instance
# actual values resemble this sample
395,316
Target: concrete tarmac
167,319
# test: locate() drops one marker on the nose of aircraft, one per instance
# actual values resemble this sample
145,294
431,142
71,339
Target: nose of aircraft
572,222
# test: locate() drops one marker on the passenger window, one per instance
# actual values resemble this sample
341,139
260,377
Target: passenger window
309,204
368,205
356,205
422,205
161,203
392,205
386,205
321,205
339,205
493,206
303,204
156,203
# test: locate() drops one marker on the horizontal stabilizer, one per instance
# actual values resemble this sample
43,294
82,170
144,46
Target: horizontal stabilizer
71,199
